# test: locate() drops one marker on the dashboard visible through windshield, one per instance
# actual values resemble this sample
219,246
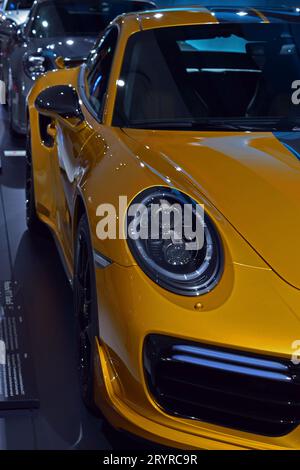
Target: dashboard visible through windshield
221,76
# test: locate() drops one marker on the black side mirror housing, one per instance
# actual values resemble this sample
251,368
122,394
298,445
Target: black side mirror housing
59,101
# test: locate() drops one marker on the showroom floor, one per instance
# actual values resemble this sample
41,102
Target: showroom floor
61,422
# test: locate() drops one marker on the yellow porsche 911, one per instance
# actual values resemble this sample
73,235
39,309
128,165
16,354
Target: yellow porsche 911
188,342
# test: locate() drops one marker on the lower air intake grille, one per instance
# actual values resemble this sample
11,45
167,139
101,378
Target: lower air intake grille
225,387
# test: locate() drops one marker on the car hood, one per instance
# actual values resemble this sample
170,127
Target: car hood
19,16
253,179
72,47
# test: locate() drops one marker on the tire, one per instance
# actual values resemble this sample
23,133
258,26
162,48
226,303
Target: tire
9,98
5,79
32,220
13,129
86,312
6,92
16,132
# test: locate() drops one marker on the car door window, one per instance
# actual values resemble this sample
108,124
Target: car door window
98,76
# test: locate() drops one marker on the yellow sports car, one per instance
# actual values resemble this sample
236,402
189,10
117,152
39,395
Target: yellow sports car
167,167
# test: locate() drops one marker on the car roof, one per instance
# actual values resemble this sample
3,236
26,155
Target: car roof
215,14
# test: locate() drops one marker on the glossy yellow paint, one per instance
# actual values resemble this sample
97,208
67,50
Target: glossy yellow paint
249,184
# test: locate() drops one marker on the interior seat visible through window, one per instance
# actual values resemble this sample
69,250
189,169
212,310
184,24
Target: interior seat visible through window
198,75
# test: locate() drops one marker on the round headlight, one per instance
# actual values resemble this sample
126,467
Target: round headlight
174,241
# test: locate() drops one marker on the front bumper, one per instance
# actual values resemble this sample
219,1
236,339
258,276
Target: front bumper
252,311
257,394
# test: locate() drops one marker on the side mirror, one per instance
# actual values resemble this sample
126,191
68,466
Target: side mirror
59,101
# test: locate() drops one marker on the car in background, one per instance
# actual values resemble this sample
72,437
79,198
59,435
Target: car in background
193,348
55,29
12,14
17,10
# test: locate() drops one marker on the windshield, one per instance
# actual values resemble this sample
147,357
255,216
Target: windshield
79,18
13,5
221,76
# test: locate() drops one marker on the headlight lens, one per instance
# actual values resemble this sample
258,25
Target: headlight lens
161,225
34,65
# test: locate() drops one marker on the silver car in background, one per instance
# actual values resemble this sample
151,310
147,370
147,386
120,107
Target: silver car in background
58,33
17,10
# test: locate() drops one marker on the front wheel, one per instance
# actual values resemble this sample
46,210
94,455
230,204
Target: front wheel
86,312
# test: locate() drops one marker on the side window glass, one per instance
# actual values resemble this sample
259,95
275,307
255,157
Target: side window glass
100,64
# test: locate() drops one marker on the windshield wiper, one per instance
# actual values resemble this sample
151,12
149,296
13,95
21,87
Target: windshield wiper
201,125
265,124
254,124
288,124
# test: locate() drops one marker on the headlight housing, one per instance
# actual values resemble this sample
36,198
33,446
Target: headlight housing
34,65
168,257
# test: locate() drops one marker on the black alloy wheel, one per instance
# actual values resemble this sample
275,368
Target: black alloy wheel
86,312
